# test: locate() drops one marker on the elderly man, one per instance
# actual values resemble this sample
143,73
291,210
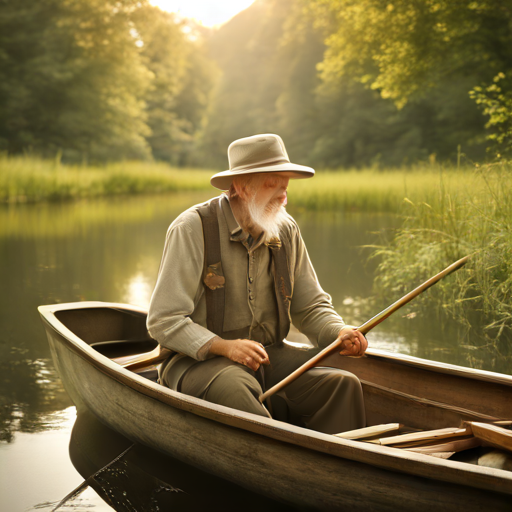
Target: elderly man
234,274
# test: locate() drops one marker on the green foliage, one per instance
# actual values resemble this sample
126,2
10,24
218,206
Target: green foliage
269,57
182,80
99,80
96,80
428,53
475,220
72,79
497,104
404,47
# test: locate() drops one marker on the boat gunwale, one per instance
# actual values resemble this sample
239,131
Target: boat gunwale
401,461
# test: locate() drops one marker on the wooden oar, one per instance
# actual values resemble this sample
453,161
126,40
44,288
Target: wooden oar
366,327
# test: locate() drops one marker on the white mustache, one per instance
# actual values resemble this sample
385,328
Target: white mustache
269,217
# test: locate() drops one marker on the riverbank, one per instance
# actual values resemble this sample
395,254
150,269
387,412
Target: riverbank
32,180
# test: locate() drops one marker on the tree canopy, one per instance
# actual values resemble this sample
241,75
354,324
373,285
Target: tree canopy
404,48
95,79
345,82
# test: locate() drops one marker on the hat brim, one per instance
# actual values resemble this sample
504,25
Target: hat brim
222,180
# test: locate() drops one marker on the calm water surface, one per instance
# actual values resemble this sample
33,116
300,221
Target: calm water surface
110,250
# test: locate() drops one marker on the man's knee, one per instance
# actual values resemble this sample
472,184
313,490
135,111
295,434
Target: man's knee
342,378
234,387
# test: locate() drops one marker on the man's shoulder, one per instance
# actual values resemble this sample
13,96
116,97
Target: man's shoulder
189,219
289,227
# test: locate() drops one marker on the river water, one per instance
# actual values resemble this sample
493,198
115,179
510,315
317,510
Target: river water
109,250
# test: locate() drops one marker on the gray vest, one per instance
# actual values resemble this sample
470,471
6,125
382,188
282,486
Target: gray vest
213,278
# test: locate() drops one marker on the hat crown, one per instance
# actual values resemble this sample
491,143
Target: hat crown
257,151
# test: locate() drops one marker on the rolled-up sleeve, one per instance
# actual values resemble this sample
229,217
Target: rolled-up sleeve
312,311
178,289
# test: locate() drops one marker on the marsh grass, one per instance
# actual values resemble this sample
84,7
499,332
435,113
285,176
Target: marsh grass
372,190
29,179
472,217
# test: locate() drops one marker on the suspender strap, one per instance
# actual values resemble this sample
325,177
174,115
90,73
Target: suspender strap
213,278
283,288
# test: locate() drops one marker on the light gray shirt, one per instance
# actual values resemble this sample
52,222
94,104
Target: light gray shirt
177,312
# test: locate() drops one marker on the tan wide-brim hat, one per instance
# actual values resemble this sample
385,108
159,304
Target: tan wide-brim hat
256,154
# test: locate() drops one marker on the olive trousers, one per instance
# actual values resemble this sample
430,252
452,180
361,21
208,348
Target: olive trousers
324,399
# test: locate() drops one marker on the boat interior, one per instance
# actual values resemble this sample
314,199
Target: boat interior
417,405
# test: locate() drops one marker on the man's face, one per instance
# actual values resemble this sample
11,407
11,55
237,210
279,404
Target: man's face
264,197
270,192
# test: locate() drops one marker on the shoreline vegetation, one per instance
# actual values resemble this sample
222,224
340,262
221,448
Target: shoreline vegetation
446,213
472,216
27,179
30,180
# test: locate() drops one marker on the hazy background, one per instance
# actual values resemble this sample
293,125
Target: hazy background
345,83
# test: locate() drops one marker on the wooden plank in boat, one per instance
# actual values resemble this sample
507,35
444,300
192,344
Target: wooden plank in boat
385,405
456,445
366,432
475,390
492,434
429,435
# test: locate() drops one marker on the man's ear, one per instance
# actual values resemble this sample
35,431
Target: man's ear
240,187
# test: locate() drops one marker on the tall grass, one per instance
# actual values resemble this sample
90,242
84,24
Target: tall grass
470,218
29,179
375,191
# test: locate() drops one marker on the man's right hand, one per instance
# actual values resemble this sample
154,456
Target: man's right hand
247,352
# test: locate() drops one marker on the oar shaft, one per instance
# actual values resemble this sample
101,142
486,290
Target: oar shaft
377,319
333,347
366,327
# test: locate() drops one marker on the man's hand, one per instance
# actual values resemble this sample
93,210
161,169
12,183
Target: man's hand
353,343
247,352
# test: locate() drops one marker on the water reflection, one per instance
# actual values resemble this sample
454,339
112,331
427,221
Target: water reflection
100,250
35,467
147,481
31,394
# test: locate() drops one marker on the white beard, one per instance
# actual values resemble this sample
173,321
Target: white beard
269,218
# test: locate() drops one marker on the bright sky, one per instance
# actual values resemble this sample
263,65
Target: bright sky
208,12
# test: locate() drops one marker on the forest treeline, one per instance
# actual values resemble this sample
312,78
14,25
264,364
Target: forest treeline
346,83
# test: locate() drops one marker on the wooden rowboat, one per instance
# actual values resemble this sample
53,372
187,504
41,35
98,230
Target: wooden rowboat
285,462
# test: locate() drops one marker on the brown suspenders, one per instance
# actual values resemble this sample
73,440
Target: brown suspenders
213,278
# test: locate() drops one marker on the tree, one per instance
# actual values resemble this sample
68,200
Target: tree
72,79
404,48
496,102
182,79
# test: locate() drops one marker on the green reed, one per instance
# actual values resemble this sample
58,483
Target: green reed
30,179
472,217
371,190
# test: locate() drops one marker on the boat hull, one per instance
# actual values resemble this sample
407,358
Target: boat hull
285,463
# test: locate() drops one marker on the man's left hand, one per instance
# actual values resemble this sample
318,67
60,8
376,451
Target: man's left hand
353,343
